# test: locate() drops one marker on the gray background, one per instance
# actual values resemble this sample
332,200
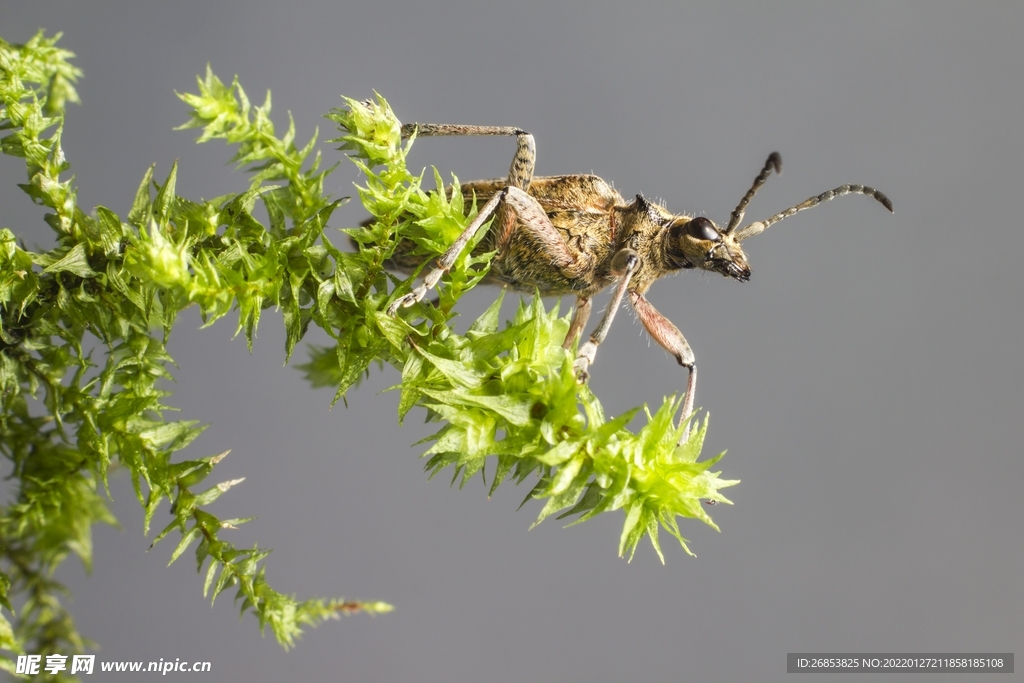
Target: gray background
865,382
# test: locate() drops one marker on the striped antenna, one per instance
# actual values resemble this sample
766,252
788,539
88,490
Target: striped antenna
760,226
774,163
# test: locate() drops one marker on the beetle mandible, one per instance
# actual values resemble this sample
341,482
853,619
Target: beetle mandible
574,234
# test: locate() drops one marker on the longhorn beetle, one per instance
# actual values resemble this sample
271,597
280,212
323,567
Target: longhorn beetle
574,234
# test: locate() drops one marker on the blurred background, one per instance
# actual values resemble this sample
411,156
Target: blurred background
867,381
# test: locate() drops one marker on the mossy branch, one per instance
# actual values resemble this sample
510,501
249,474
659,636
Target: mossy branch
504,392
122,282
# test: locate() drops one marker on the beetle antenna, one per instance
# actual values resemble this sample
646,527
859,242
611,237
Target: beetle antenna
774,163
760,226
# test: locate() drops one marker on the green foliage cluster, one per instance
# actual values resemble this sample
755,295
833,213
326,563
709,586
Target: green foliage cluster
116,283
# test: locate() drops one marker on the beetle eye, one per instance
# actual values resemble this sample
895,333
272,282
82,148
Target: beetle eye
702,229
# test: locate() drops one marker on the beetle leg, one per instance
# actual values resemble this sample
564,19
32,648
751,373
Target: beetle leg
447,259
520,174
531,217
673,341
579,320
624,263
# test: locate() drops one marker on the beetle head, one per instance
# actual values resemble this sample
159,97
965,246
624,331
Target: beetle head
698,243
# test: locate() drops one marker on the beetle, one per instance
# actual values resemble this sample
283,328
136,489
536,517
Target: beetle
575,234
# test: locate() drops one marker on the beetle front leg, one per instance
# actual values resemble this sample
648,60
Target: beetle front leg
624,263
673,341
579,320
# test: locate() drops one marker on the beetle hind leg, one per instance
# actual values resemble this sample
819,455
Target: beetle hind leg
531,218
520,175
